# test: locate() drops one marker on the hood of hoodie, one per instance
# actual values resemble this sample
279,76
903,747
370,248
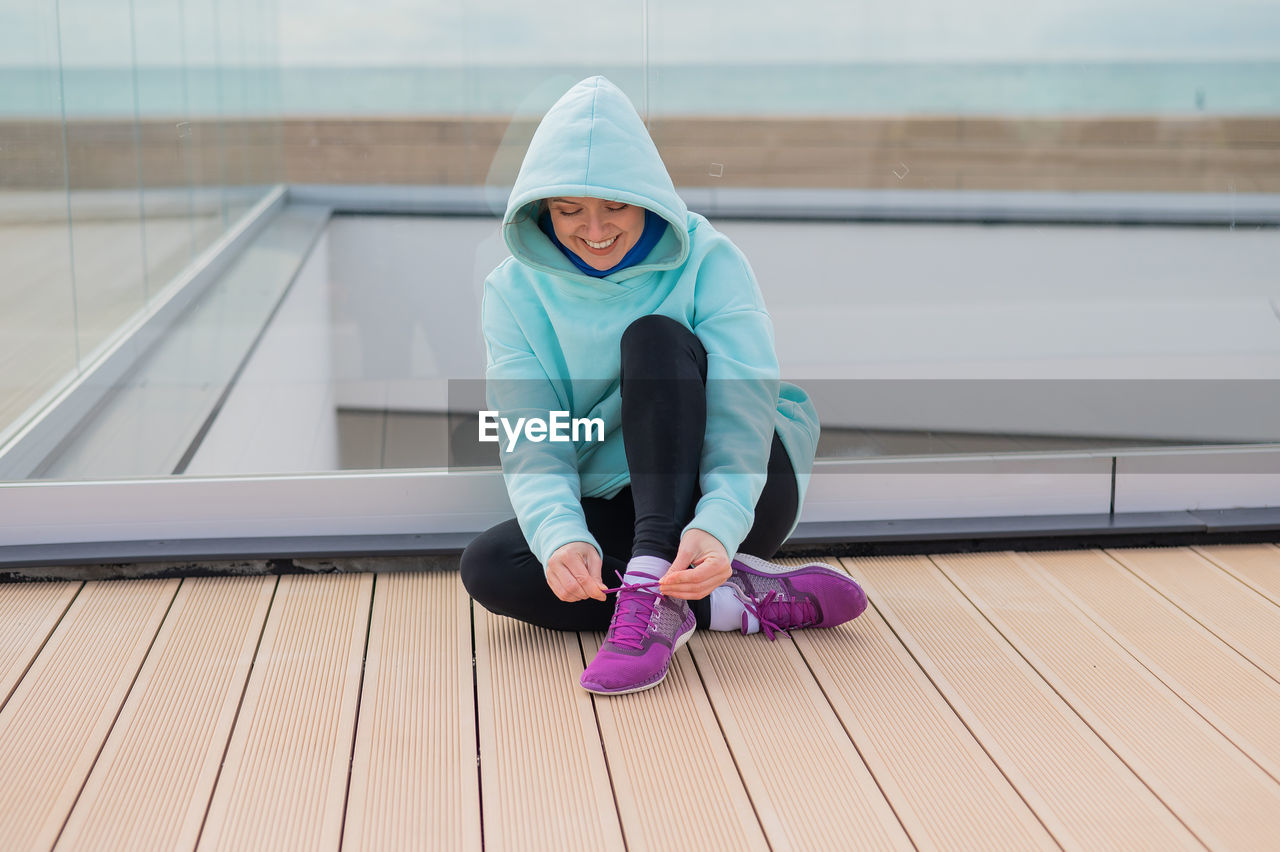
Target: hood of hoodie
593,143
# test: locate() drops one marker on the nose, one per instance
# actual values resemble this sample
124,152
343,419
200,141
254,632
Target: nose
596,227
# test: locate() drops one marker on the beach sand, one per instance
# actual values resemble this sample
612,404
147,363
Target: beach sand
1116,154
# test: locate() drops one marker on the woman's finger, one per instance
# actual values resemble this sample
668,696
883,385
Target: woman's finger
595,568
693,593
696,582
582,579
563,583
559,590
695,573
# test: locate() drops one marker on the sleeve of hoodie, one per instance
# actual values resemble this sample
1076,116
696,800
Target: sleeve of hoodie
541,478
742,393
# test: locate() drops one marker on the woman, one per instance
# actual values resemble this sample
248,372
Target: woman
620,306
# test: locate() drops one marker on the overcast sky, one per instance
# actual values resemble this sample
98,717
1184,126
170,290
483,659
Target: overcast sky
430,32
798,30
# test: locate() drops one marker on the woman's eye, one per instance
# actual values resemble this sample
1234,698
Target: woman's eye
569,212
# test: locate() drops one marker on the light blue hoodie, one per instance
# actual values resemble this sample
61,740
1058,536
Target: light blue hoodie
552,333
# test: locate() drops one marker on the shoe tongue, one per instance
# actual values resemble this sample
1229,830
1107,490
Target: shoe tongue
801,610
796,612
638,577
635,608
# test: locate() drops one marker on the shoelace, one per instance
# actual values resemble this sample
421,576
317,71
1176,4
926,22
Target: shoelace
634,612
795,613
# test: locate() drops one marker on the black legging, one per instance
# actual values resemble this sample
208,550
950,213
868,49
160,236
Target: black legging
663,384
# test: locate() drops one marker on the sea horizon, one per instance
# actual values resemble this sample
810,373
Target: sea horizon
960,88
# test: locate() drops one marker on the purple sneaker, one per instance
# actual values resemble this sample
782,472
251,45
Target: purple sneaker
785,598
646,631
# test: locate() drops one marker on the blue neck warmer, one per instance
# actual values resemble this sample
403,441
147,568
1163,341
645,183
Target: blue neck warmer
654,227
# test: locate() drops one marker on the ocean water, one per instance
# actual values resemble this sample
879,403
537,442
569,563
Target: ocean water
1067,89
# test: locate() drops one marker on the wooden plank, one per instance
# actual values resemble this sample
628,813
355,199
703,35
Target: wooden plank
901,723
1235,613
151,785
1223,687
29,612
543,779
414,781
1210,784
284,778
657,813
1083,793
57,719
1255,565
809,785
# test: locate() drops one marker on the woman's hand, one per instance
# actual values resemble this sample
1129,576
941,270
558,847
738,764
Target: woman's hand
701,565
573,572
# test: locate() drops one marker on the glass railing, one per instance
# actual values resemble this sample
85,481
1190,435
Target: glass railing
131,138
858,154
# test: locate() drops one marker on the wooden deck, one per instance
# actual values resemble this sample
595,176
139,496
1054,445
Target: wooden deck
1122,699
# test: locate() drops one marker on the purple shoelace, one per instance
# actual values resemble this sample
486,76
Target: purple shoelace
796,613
634,612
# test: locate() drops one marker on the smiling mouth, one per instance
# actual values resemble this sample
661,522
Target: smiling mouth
603,245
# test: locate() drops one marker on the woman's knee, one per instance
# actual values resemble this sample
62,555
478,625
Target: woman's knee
471,567
653,338
653,329
487,563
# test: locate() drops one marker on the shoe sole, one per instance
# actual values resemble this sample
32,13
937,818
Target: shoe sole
680,641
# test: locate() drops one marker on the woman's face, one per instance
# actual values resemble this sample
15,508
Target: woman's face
598,231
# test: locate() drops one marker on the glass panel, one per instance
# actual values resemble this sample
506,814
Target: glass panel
230,93
117,169
37,307
919,110
405,290
203,138
901,116
166,158
931,95
100,99
266,161
242,85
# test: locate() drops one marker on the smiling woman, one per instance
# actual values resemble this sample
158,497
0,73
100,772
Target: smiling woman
621,304
598,231
600,236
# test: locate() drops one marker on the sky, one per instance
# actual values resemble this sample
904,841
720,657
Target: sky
684,31
451,32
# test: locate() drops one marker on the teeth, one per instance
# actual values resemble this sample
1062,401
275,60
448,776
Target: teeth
604,244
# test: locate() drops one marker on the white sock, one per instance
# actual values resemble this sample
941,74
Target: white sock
727,611
654,566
